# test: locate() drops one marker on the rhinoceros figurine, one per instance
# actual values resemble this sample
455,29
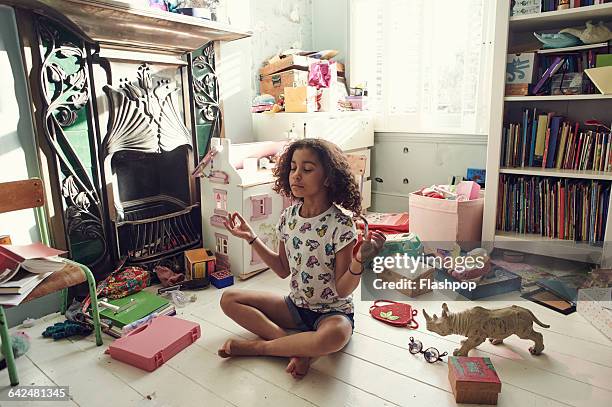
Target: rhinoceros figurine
479,323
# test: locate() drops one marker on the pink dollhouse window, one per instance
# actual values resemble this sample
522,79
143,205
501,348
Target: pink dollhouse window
255,259
261,207
220,201
221,244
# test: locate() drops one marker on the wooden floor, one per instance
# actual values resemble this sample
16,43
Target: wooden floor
374,369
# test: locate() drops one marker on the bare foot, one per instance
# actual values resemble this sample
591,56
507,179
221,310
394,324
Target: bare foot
233,347
298,367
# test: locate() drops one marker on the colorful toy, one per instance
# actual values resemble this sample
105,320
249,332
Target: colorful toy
227,187
20,342
394,313
473,380
66,329
222,278
408,243
151,345
479,323
199,263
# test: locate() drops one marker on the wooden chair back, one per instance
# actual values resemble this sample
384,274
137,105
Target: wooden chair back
16,195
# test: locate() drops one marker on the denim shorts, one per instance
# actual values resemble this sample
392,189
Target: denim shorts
308,320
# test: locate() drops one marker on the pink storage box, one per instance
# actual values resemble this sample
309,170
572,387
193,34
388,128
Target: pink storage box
151,345
358,102
442,221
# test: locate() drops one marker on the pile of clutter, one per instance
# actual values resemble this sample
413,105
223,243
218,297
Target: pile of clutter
463,191
297,81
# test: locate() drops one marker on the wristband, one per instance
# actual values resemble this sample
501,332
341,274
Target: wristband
355,274
252,240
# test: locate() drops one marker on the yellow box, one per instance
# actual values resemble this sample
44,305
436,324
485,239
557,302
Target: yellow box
199,263
301,99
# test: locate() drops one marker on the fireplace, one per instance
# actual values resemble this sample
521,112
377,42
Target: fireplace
125,101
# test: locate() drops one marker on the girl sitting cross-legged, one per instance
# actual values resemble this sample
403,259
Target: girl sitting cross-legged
316,242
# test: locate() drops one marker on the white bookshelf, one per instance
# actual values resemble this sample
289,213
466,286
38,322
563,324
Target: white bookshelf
553,98
578,107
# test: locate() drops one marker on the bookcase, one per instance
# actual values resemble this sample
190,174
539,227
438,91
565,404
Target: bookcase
510,33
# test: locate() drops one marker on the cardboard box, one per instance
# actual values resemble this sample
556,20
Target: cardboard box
520,67
199,263
497,281
473,380
517,89
298,62
300,99
275,84
289,62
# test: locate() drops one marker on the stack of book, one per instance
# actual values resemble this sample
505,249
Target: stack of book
558,208
548,140
23,267
132,308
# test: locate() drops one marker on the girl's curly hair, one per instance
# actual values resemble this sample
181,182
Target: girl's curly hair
343,189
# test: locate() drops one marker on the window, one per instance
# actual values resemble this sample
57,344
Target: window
261,207
220,201
221,246
426,63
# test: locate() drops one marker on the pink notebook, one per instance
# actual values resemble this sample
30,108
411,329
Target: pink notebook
151,345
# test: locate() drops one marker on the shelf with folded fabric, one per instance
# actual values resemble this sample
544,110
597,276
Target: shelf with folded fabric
561,18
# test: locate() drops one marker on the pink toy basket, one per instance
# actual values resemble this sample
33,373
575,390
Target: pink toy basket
442,221
151,345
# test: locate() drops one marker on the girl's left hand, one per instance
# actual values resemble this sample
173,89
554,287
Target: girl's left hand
371,246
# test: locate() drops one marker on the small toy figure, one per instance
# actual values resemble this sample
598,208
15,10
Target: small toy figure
480,323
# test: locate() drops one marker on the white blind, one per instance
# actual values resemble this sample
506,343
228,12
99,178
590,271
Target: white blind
426,63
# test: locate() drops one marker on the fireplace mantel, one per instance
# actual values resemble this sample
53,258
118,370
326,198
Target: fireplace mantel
115,24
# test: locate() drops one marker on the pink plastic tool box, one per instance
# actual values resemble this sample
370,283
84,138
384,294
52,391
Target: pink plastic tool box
151,345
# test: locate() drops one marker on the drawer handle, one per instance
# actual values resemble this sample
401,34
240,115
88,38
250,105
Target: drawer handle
378,179
406,150
406,181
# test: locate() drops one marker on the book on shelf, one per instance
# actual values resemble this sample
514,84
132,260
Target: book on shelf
555,142
557,208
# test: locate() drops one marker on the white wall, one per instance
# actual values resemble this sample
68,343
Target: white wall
277,25
330,27
17,153
234,72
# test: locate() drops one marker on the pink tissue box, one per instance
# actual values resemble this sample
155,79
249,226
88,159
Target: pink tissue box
358,102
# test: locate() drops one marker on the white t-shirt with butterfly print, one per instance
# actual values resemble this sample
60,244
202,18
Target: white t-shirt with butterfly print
311,245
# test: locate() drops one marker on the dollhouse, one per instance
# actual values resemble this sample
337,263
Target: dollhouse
232,181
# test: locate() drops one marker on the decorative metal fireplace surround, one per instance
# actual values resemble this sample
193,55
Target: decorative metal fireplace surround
125,101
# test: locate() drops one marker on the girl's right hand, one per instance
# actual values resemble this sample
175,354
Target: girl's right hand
237,226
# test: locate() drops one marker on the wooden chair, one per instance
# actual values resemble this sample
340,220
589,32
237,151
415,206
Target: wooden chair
29,194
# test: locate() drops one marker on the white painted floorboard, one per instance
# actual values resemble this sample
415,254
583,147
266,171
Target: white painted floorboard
375,368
